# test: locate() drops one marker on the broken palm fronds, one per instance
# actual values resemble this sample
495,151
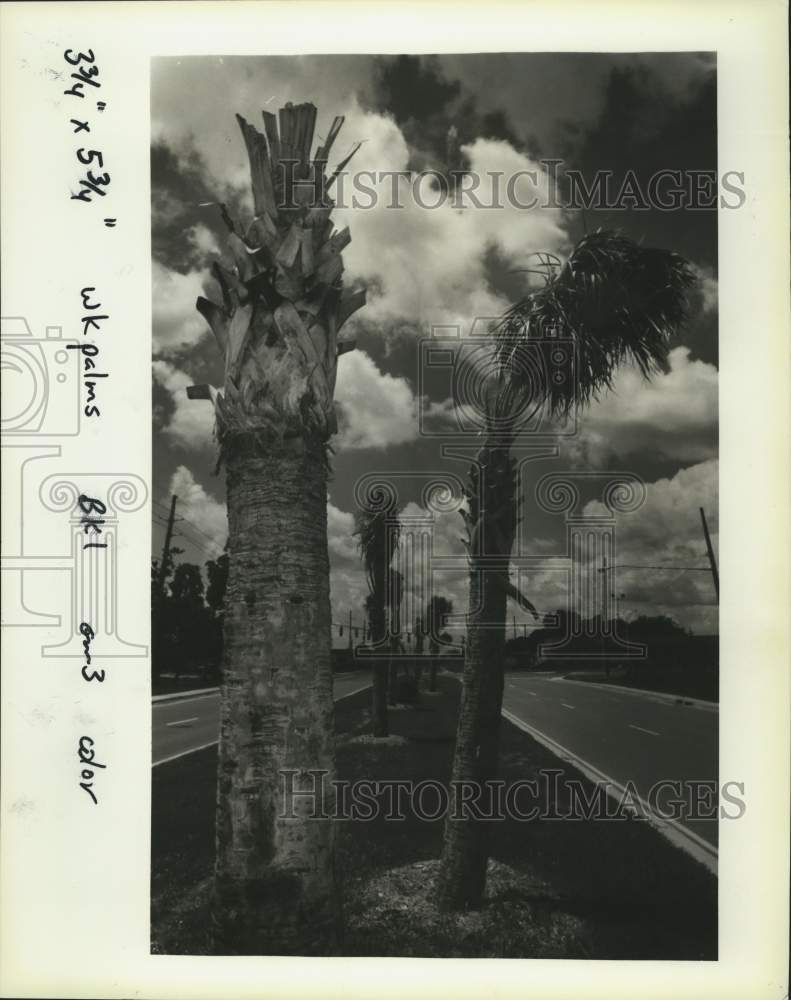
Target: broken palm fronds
282,297
613,300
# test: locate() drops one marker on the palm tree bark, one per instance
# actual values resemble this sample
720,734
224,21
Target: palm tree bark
432,677
275,880
392,679
462,873
613,300
282,307
379,718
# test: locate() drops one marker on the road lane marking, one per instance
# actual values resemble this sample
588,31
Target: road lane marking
348,694
649,731
659,697
175,756
565,705
185,701
689,841
182,722
213,743
533,693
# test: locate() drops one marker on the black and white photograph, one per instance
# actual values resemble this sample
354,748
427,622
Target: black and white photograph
435,510
395,479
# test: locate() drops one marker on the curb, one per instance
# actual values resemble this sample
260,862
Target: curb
680,836
673,699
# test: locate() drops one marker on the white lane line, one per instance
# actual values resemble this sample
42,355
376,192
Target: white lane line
533,693
182,722
640,728
689,841
185,701
348,694
175,756
213,743
565,705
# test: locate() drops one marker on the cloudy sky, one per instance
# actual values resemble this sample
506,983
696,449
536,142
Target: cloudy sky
444,267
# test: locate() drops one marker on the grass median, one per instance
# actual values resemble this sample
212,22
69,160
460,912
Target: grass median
556,888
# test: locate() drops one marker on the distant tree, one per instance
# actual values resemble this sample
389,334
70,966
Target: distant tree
377,534
190,617
217,574
437,610
162,634
396,591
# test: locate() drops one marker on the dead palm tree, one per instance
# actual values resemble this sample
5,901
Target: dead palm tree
282,305
378,532
613,301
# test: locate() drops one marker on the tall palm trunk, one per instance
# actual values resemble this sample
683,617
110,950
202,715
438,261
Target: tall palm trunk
613,300
378,531
392,677
379,670
275,880
432,677
276,327
491,522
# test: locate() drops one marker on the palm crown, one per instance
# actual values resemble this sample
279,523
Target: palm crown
613,299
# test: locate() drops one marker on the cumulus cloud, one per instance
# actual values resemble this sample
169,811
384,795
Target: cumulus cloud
176,322
191,424
666,531
203,241
340,535
708,288
428,265
374,409
672,416
200,508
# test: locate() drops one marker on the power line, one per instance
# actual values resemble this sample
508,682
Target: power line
691,569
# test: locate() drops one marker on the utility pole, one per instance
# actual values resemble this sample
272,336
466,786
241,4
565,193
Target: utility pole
514,620
163,568
712,561
351,638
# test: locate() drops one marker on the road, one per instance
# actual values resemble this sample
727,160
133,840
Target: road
621,735
610,734
189,724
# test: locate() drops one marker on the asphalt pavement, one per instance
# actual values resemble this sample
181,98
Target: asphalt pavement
613,735
185,725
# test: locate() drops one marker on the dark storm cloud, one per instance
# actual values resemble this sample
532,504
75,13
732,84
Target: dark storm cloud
425,103
651,122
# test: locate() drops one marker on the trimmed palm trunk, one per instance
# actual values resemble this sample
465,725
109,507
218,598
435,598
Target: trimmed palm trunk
491,521
281,309
613,300
419,640
378,532
275,879
432,676
379,720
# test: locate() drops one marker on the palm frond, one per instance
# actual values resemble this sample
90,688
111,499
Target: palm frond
378,534
613,300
